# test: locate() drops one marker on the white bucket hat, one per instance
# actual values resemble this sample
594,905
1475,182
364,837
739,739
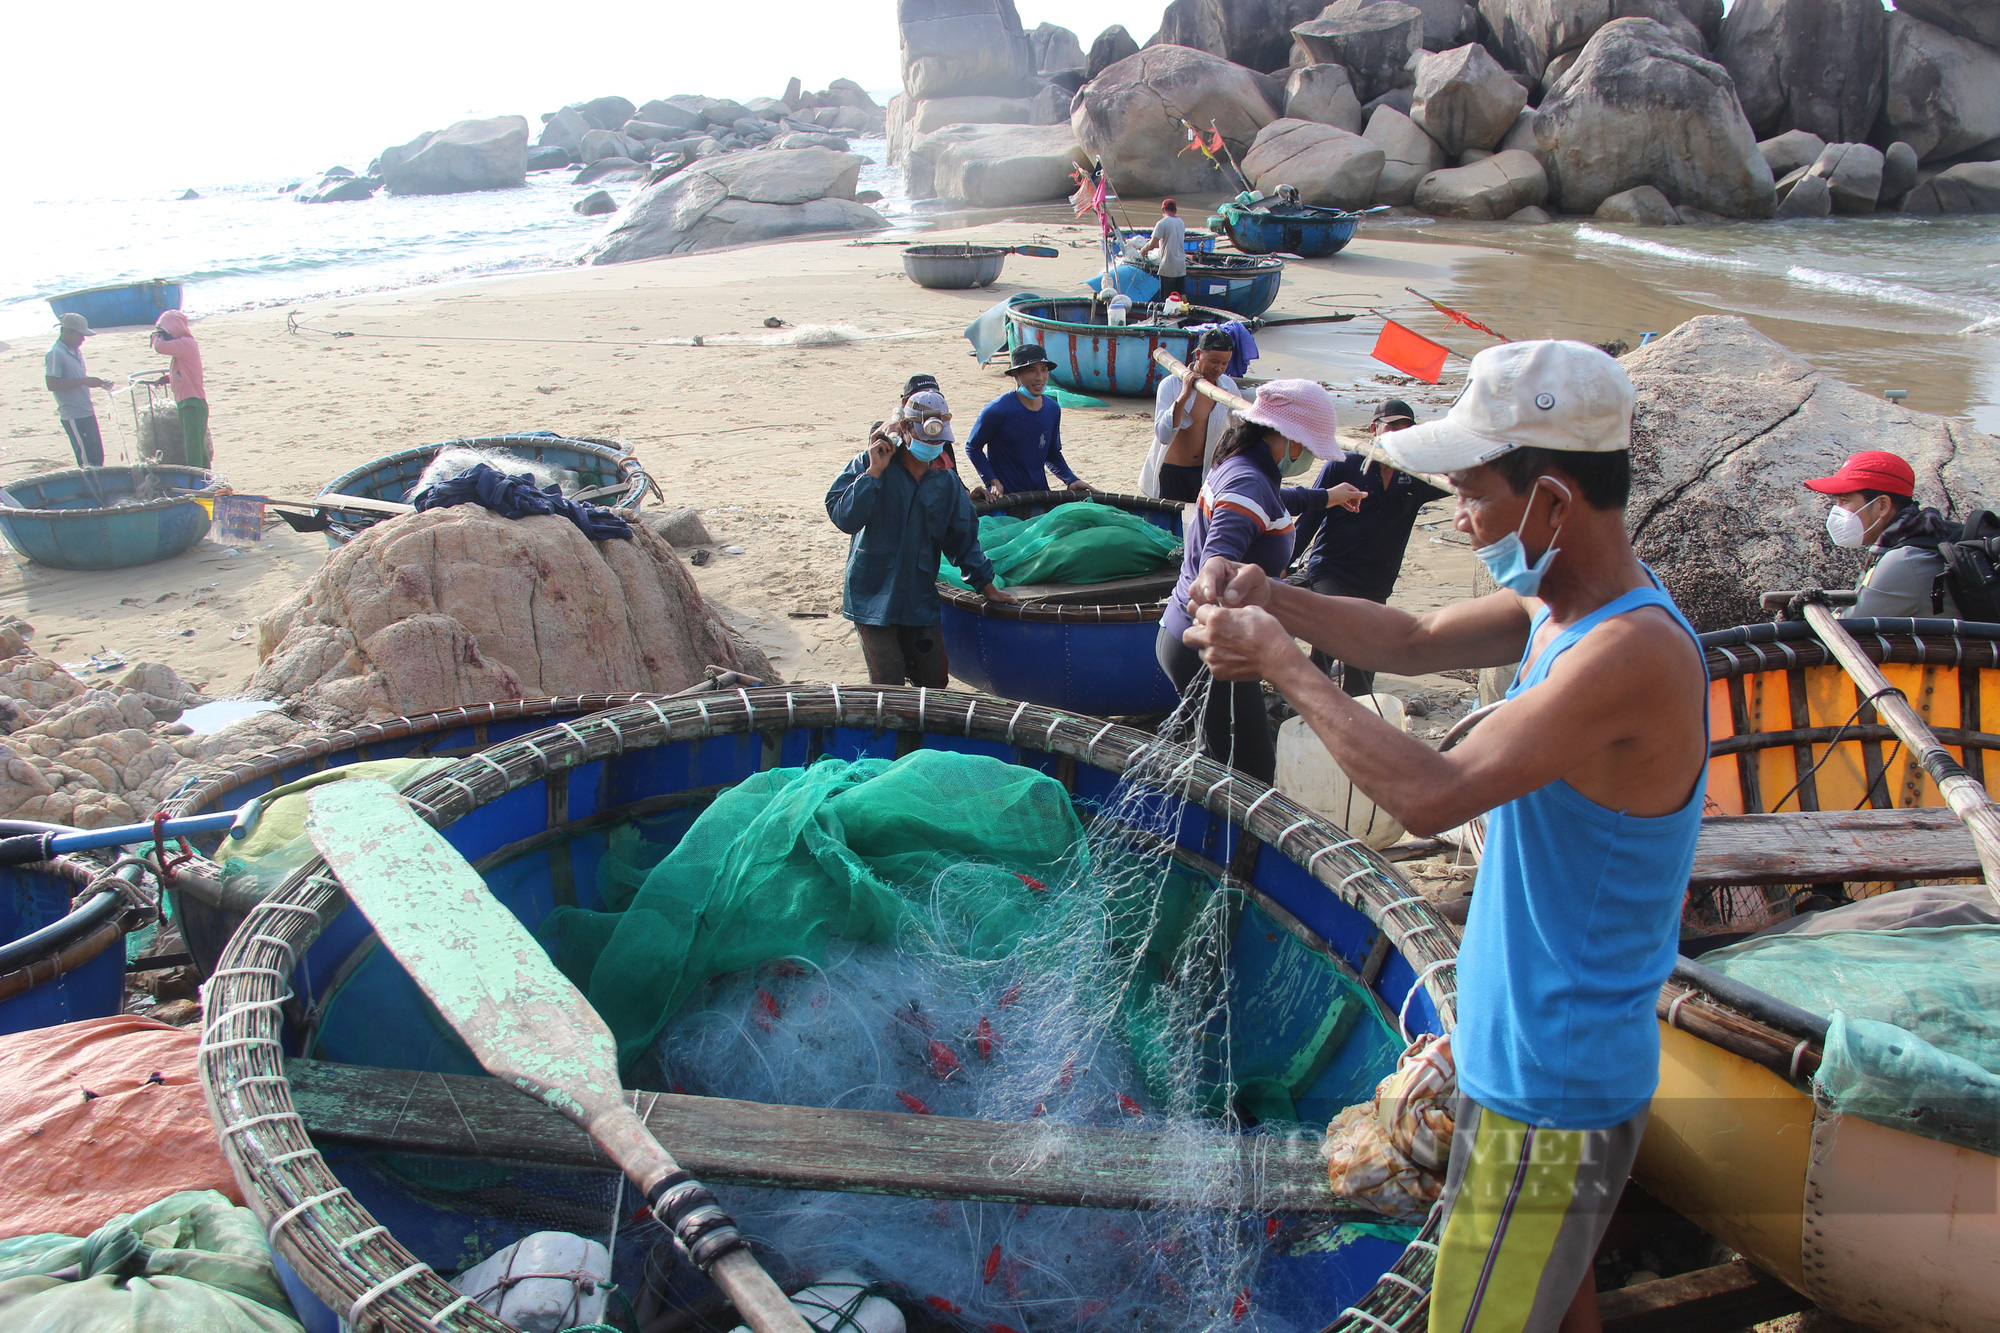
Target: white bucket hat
1547,394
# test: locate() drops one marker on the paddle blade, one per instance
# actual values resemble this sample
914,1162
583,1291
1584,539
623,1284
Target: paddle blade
1038,251
470,956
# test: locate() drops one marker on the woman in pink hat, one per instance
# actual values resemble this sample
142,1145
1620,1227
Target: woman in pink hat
1246,514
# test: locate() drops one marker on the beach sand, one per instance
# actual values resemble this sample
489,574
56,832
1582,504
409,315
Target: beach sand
749,427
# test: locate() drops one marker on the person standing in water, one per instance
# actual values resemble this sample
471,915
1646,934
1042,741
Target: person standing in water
173,339
1023,431
71,383
1592,771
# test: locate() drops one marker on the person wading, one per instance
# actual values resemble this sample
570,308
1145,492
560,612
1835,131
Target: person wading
1593,773
173,339
71,383
1188,424
904,506
1017,440
1245,514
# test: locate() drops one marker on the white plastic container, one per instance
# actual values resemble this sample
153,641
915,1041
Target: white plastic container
1307,774
1119,309
542,1283
838,1303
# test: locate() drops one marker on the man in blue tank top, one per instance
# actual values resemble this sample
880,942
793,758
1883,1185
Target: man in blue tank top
1592,774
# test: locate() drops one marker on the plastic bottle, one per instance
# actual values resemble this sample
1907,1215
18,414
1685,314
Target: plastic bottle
1308,774
544,1282
839,1303
1121,306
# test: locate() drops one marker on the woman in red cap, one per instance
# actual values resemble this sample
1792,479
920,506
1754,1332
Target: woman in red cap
1874,506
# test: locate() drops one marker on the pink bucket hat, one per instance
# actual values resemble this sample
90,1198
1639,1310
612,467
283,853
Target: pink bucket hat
1299,410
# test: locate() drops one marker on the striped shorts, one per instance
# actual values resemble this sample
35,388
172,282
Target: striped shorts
1525,1209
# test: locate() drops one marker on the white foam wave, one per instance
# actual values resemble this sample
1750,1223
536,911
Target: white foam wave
1656,249
1991,324
1895,293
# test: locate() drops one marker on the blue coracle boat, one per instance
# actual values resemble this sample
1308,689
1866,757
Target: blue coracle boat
1245,285
1103,358
1087,648
1292,229
107,517
366,1225
123,303
58,963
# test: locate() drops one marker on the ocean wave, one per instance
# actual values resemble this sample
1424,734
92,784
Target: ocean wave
1991,324
1895,293
1657,250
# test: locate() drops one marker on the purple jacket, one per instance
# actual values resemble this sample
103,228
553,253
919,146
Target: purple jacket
1243,514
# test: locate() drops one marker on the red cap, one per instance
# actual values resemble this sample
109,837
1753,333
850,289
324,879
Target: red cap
1869,470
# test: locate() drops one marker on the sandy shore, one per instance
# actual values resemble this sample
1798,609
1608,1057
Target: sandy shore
749,427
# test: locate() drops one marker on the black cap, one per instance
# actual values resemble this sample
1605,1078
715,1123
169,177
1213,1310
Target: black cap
1395,407
918,383
1026,355
1216,340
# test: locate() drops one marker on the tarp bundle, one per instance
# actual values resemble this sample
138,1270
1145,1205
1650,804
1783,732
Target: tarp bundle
1081,542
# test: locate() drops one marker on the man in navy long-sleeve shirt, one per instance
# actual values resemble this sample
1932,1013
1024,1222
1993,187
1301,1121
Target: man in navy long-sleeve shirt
903,505
1023,431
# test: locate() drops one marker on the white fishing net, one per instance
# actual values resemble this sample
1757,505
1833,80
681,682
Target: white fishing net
454,459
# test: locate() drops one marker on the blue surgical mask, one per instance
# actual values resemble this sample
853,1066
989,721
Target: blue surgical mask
1296,467
1507,560
1025,393
924,453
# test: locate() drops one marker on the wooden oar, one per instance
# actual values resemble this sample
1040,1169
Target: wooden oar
360,502
521,1017
1370,452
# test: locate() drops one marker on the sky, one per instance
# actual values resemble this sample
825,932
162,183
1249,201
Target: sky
115,95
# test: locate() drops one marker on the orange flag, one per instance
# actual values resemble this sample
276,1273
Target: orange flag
1410,352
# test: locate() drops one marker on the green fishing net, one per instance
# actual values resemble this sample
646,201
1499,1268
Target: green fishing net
277,843
1080,542
1915,1039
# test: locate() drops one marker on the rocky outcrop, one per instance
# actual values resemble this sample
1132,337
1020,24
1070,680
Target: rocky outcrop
463,606
1804,194
1642,206
1055,48
673,115
1330,167
1130,118
1491,188
1254,33
1975,20
1791,150
1375,39
1112,45
1447,23
1806,65
952,48
1853,173
1541,38
564,129
471,155
1601,127
332,189
613,169
1408,155
1899,174
1969,187
1727,428
1323,93
548,157
606,113
1942,91
738,199
596,204
1464,99
600,144
995,166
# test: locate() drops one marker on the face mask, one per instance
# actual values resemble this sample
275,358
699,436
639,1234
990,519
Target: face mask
1845,527
1296,467
1030,394
923,453
1507,560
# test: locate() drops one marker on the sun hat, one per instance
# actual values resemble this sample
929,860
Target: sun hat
1869,470
924,408
1545,394
1029,354
1299,410
76,323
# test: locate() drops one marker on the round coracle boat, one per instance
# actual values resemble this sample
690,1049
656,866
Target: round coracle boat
1104,358
62,953
108,517
954,267
1245,285
381,1163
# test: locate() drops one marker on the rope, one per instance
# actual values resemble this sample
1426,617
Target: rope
292,325
1838,733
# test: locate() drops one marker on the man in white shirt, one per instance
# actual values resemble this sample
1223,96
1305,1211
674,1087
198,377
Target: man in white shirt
71,383
1187,423
1170,236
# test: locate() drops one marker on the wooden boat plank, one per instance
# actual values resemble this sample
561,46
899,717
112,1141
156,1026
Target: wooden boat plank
1830,846
792,1147
1731,1295
361,502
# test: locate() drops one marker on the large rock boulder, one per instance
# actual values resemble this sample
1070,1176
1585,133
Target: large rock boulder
548,157
459,606
1727,428
332,189
1791,150
606,113
1055,48
1969,187
1408,155
1899,174
1447,23
1129,117
910,120
1603,127
471,155
1330,167
1804,194
1464,99
737,199
564,129
675,115
1112,45
1806,65
1491,188
1253,33
600,144
955,47
1541,38
1977,20
1853,174
1942,92
1641,206
1375,39
995,166
1323,93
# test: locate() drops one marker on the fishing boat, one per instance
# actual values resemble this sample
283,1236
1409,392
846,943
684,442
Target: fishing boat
1086,648
1104,358
62,955
379,1163
607,472
1195,241
1245,285
1270,228
108,517
121,303
954,267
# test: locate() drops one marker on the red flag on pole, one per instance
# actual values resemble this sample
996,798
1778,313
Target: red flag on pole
1410,352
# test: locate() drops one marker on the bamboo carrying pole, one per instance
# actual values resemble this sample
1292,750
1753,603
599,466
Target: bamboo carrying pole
1967,798
1372,453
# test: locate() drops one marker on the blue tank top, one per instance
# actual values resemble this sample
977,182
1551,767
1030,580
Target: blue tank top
1574,926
